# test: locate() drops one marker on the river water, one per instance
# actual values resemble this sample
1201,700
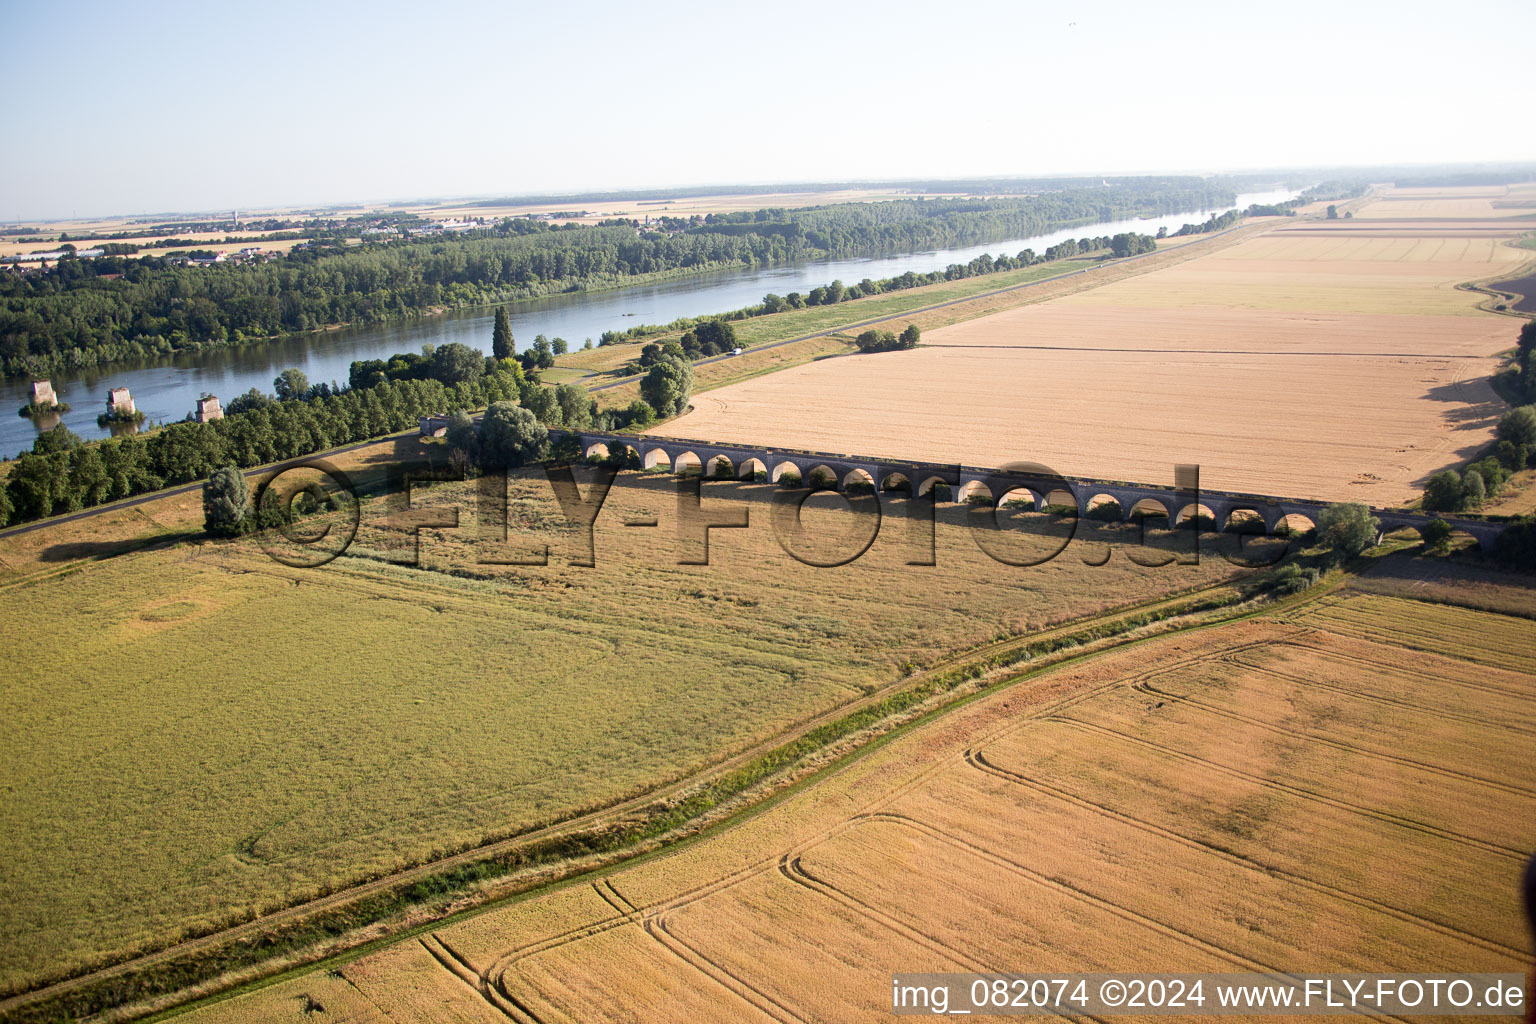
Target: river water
166,390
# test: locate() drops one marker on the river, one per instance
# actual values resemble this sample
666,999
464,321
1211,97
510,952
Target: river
166,390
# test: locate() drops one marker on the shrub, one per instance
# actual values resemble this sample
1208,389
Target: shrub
1516,546
723,471
1293,579
226,502
859,487
1444,493
1436,534
1106,512
1019,504
1518,426
667,386
1348,528
789,478
511,436
1474,491
638,414
942,492
1250,525
821,480
1511,456
979,499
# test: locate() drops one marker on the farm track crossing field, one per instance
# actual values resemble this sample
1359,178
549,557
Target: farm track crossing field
1263,795
1311,359
222,735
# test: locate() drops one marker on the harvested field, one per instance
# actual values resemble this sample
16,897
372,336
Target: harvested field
1472,202
1260,796
1303,360
1083,326
1478,637
222,735
1351,428
1303,269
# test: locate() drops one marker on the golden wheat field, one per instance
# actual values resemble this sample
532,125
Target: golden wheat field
1312,359
1485,202
224,735
1267,795
1352,428
1331,267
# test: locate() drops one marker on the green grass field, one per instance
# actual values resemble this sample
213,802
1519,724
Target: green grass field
206,735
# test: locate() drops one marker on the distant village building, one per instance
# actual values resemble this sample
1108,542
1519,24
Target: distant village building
434,426
120,401
209,409
42,394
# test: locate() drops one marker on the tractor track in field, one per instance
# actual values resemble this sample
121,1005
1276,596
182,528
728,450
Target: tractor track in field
1376,698
1334,654
1082,895
978,760
259,926
1219,712
1297,791
658,928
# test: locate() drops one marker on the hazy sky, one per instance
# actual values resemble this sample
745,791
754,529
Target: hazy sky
119,107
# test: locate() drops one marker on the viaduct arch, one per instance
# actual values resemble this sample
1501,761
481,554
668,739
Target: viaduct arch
1133,499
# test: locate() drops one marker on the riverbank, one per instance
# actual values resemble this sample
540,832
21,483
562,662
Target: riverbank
166,387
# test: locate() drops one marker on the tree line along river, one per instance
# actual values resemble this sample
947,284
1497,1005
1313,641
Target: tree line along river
166,390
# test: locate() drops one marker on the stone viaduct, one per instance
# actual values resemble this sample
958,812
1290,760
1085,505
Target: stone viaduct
1023,481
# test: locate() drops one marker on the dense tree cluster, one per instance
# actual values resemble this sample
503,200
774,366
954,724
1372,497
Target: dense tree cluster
839,292
509,436
55,478
1449,491
91,312
667,385
1516,546
61,474
885,341
1348,528
1131,244
1525,363
1217,222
